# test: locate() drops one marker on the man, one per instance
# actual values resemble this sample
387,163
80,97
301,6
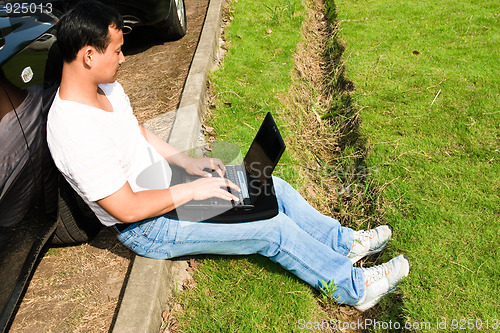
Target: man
100,149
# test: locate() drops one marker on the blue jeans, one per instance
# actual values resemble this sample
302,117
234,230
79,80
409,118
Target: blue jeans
310,245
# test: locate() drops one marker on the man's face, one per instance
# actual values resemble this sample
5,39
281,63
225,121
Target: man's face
107,65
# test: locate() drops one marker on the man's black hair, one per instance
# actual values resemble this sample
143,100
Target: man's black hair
85,24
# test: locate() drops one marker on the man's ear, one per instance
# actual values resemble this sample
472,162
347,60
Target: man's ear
88,53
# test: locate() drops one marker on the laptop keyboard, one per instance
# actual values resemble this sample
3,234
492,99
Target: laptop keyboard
234,175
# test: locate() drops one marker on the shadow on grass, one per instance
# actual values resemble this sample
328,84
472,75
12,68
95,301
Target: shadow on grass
387,316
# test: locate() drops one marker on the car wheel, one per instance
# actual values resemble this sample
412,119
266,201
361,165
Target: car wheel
76,223
174,26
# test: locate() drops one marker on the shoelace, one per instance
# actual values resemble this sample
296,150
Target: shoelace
374,273
364,235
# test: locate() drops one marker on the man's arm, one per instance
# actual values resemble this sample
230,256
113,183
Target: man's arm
193,166
129,207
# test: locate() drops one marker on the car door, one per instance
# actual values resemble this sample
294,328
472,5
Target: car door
28,184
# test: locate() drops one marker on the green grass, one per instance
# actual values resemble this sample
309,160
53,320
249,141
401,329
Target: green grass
245,294
250,293
427,77
426,82
256,69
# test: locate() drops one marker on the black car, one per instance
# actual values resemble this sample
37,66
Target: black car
168,17
37,206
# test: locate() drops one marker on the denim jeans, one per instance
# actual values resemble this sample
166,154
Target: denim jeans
310,245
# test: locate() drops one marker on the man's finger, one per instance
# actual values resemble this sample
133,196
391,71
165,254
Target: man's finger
218,166
205,174
224,182
227,196
212,164
220,171
229,183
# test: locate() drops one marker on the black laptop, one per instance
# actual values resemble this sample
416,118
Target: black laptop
253,176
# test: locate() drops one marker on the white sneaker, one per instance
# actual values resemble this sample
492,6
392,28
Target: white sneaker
367,242
382,279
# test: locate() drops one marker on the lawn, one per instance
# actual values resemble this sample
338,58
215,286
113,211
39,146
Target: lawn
426,91
250,293
426,76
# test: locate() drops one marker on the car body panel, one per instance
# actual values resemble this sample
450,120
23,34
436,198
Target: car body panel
149,12
28,179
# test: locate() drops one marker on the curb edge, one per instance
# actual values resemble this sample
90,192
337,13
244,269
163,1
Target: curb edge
152,282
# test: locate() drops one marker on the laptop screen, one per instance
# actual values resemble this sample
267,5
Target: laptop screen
265,151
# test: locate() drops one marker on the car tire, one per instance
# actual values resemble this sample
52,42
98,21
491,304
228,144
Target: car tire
175,25
76,223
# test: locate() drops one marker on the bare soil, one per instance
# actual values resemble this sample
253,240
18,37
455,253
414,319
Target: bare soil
78,288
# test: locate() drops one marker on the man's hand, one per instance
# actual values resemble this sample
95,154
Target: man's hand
193,166
205,188
196,166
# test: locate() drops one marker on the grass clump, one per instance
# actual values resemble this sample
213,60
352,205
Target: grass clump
327,289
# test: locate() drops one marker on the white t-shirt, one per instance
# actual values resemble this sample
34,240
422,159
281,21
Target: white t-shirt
98,151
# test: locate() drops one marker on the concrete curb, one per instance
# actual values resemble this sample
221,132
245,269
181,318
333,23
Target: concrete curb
152,282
